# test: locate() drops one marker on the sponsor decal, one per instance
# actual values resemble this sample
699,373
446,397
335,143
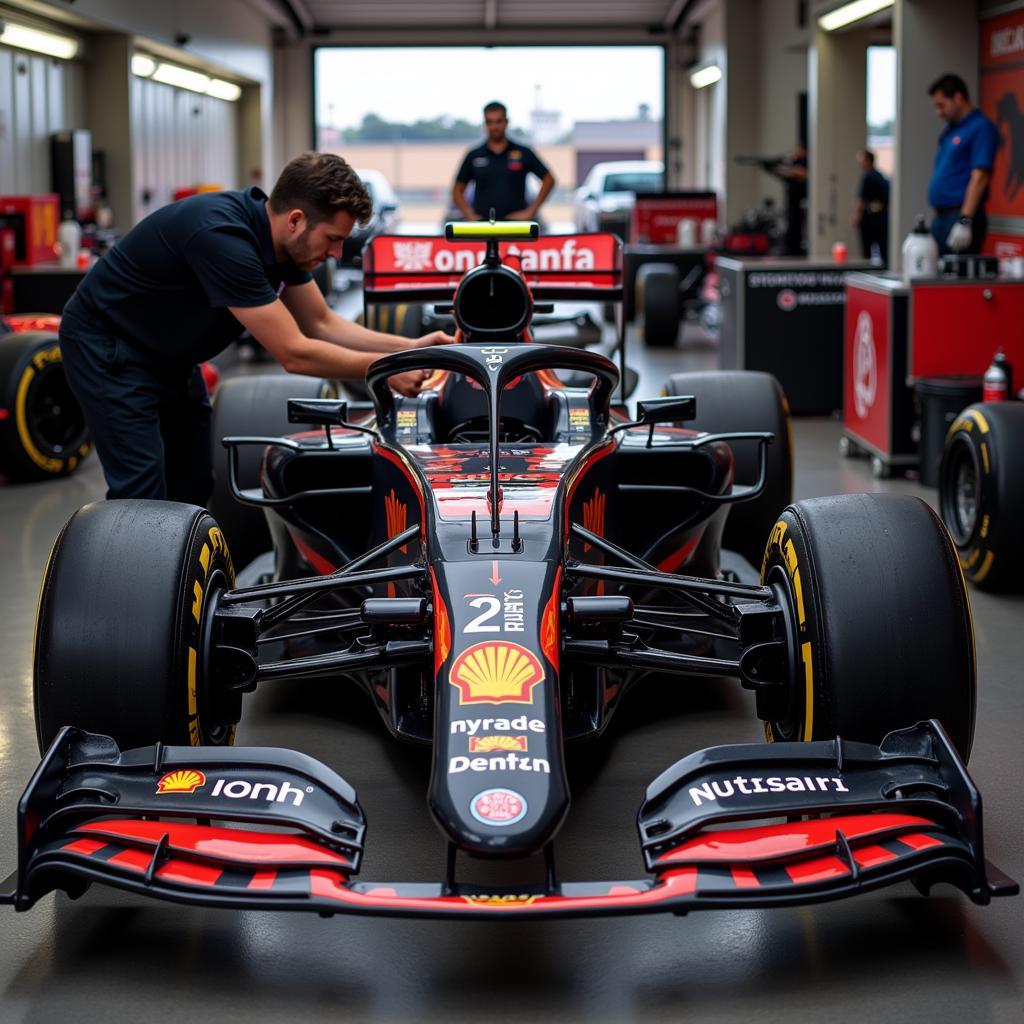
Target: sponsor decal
786,300
510,762
406,419
579,419
711,792
496,672
593,515
515,154
865,366
494,900
271,792
1007,41
481,161
471,726
510,606
556,254
494,357
485,744
796,279
498,807
396,514
413,255
183,780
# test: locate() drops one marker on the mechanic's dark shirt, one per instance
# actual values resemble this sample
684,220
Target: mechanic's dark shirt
165,287
499,179
874,191
964,147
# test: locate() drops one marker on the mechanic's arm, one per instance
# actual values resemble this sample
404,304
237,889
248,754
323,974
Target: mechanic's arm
980,178
317,320
858,212
547,183
276,330
459,199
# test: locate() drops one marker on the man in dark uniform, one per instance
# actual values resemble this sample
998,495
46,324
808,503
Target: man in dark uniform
185,282
871,213
498,170
962,170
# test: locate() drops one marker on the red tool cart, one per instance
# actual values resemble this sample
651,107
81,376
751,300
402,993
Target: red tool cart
931,330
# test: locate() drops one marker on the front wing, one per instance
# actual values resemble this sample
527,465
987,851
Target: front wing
271,829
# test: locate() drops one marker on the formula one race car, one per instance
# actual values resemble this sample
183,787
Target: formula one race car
496,563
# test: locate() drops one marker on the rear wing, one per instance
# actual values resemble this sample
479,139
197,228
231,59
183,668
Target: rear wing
427,268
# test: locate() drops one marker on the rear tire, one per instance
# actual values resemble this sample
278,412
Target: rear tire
885,638
42,427
659,302
255,406
730,400
981,492
120,630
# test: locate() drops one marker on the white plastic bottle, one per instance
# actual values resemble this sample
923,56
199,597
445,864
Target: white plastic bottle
69,235
920,253
686,232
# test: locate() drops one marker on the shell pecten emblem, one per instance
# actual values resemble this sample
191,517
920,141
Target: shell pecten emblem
183,780
496,672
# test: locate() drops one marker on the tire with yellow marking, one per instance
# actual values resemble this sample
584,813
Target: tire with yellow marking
42,428
741,400
120,634
884,637
981,492
255,406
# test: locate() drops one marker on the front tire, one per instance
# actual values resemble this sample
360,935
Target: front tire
120,631
885,638
981,492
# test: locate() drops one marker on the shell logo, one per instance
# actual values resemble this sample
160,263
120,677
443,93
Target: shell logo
184,780
512,900
483,744
496,672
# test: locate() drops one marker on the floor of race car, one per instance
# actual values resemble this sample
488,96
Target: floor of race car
886,956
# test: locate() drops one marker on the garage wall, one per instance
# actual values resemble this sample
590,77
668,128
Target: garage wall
38,96
180,139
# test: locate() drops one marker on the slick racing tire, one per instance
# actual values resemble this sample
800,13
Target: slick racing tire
409,320
122,626
256,406
659,303
738,400
881,631
981,492
42,428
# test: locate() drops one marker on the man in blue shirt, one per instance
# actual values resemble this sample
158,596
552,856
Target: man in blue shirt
183,284
498,170
963,168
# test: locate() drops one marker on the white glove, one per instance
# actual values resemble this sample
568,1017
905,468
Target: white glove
960,235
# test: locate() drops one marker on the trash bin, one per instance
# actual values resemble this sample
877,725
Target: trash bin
940,400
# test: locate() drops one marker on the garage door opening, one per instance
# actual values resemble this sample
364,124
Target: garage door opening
409,115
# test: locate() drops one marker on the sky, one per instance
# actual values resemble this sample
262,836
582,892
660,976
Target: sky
584,83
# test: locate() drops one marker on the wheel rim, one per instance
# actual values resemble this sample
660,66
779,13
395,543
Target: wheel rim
789,726
211,731
53,415
961,491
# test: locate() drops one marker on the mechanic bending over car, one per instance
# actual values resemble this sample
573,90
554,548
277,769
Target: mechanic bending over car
498,169
183,284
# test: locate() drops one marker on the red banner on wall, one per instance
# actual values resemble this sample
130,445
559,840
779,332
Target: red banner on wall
1001,64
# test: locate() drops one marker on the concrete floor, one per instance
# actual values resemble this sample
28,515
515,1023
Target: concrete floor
888,956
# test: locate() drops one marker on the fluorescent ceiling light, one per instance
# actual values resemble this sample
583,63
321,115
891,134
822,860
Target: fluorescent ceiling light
851,12
705,76
222,90
142,65
183,78
38,41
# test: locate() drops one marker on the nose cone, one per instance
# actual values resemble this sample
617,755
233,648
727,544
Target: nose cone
498,785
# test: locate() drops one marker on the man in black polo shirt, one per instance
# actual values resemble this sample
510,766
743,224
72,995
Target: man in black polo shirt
498,170
183,284
871,211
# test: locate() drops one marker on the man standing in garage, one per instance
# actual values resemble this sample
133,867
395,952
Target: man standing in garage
871,211
962,170
498,170
184,283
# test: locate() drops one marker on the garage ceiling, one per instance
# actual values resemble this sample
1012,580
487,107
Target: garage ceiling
489,15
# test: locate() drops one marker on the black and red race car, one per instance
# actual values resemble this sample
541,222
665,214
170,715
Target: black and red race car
497,563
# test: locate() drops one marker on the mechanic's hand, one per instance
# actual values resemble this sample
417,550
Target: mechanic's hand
433,338
409,384
960,235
